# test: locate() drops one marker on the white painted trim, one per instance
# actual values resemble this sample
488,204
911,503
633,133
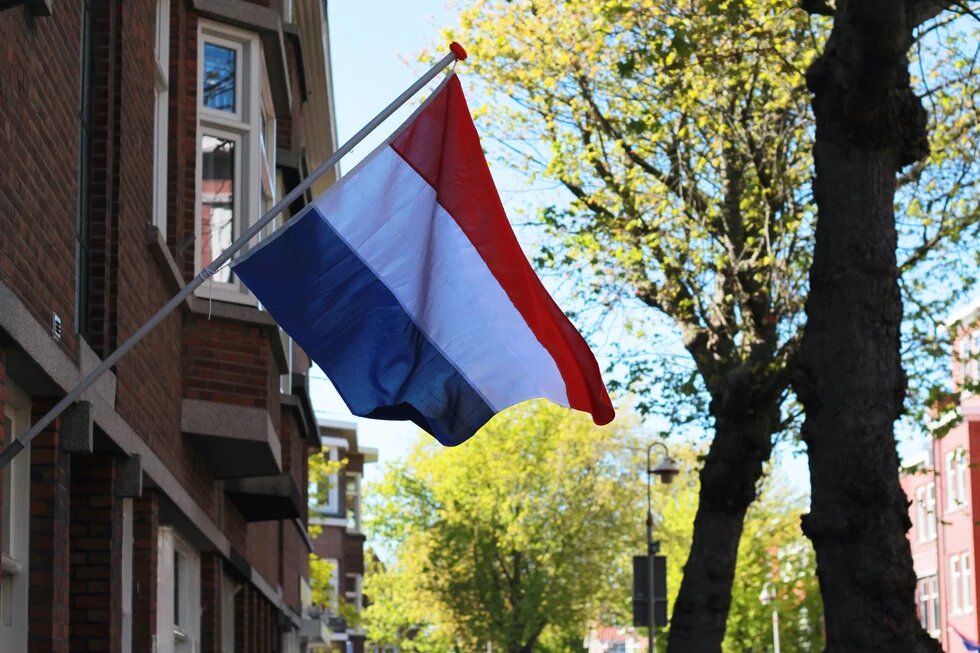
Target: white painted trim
14,577
161,116
339,443
340,522
127,575
245,123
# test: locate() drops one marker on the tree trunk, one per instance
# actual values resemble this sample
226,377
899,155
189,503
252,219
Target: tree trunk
850,381
733,466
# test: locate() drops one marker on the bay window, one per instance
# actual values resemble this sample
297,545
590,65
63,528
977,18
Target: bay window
236,161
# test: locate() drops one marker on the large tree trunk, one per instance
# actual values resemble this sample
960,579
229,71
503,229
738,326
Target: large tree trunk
851,383
733,466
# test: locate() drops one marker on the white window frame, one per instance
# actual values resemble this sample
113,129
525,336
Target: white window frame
920,513
229,589
961,471
177,633
964,359
956,481
14,563
975,356
966,580
922,602
356,597
353,482
161,116
955,587
334,584
245,122
127,575
931,510
934,605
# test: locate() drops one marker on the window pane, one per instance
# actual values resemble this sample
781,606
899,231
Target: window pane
219,77
217,200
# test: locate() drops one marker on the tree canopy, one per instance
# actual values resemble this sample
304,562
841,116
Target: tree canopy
528,492
683,135
518,537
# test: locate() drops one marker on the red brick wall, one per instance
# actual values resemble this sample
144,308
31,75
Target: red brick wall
39,141
49,549
295,563
96,546
227,361
263,549
145,522
211,607
182,153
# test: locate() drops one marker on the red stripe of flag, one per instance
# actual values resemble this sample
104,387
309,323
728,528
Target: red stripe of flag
464,188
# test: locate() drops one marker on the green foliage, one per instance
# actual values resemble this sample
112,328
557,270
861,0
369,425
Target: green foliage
455,518
771,548
681,131
322,472
518,537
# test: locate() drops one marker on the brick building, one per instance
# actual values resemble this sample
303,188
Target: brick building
341,540
167,510
943,486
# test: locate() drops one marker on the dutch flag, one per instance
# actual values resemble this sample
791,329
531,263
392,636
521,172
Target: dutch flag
405,283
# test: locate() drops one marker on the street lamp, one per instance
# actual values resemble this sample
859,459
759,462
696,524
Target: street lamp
767,596
666,470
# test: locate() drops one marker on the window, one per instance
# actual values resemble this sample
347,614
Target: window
954,584
353,497
920,513
178,594
975,357
931,511
228,591
161,116
14,545
235,155
355,591
966,576
127,575
956,472
927,593
326,500
333,599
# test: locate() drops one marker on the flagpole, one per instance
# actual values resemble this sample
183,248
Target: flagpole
457,53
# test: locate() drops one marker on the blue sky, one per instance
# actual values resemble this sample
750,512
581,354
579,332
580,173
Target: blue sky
375,49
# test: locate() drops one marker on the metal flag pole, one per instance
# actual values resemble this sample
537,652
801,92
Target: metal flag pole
456,53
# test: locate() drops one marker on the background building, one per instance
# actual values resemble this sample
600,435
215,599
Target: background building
943,486
167,510
341,539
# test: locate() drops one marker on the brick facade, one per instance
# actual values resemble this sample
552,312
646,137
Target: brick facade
943,488
79,246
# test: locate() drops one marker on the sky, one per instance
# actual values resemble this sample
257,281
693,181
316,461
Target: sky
374,48
368,73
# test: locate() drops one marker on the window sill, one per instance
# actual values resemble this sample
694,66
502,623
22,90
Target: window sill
10,567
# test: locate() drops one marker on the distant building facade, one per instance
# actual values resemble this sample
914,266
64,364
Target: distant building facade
613,639
341,539
943,486
166,512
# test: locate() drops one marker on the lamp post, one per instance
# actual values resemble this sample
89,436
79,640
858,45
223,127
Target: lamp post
767,596
666,469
